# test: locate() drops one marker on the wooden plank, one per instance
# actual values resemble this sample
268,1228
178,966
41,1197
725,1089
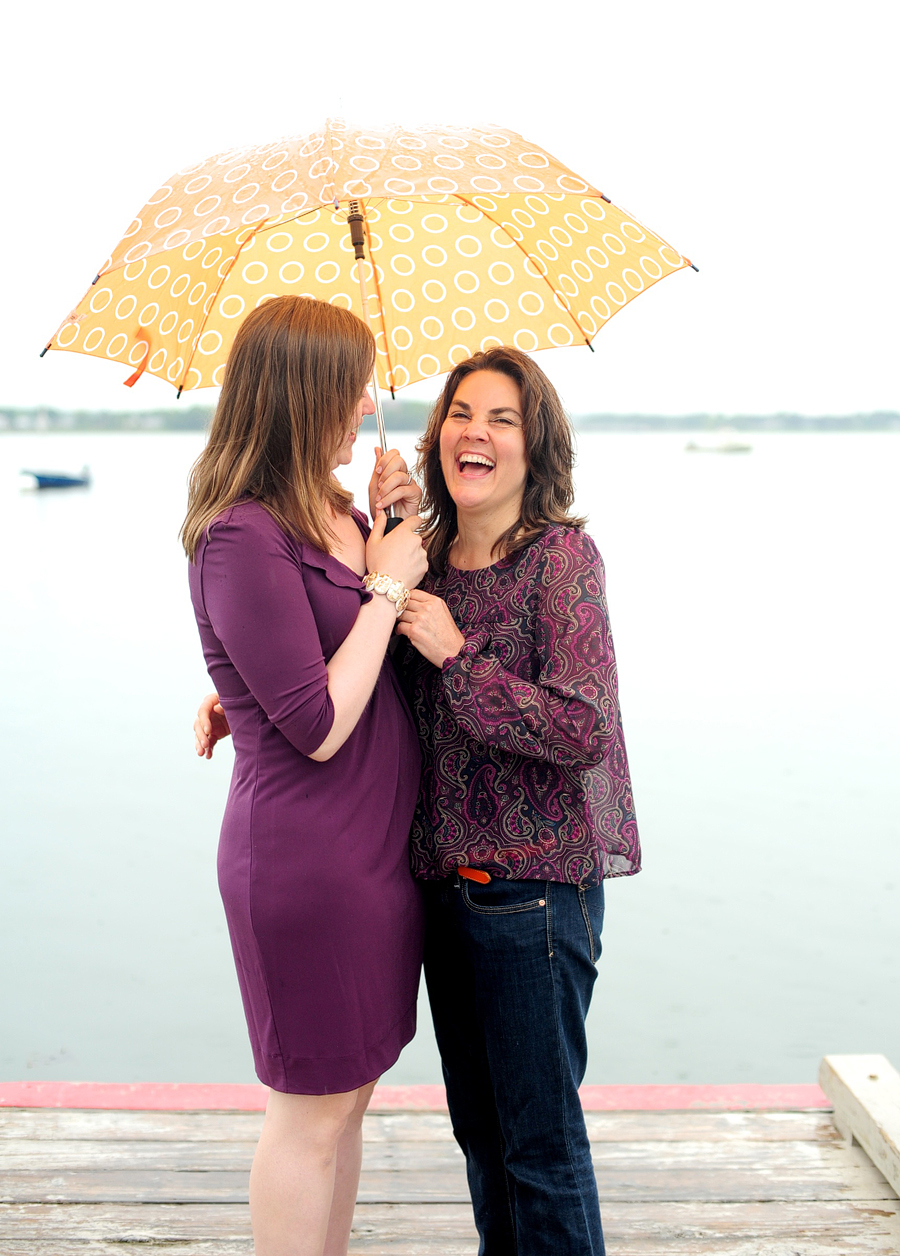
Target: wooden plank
779,1157
129,1223
730,1127
638,1228
402,1174
61,1156
96,1125
211,1186
114,1247
53,1123
865,1091
618,1127
662,1230
776,1229
66,1156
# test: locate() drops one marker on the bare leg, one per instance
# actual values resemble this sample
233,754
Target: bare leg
292,1182
346,1178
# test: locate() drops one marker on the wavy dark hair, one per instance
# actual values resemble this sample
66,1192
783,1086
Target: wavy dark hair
295,373
549,449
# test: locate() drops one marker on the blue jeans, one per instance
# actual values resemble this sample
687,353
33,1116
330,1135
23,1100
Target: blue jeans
510,970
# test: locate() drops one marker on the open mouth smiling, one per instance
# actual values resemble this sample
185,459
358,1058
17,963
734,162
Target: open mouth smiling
474,466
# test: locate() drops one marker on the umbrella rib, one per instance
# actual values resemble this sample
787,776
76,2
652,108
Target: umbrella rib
251,236
466,201
269,223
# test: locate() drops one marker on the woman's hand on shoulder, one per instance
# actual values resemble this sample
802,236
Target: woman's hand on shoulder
400,554
428,624
392,485
210,726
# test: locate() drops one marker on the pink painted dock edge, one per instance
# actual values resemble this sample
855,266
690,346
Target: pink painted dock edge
185,1096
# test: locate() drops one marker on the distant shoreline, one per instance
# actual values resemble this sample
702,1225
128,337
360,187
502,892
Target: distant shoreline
410,416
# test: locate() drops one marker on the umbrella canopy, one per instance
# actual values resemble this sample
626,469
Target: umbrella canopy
473,237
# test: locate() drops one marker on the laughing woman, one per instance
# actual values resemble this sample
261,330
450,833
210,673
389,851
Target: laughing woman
526,803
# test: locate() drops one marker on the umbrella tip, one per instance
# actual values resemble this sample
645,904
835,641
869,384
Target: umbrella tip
94,280
693,267
45,348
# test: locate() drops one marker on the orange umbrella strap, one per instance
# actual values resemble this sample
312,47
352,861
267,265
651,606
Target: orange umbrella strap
141,335
212,303
584,335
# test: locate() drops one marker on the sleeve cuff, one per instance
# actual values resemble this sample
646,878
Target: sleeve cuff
461,664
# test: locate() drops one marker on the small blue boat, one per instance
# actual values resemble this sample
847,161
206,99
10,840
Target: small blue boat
54,479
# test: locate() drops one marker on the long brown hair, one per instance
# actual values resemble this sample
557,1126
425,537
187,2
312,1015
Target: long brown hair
294,376
549,448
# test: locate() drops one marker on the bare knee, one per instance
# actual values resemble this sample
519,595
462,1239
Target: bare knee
315,1123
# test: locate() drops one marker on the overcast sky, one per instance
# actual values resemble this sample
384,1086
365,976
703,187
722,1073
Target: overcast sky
761,140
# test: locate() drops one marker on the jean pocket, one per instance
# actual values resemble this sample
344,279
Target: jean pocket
503,898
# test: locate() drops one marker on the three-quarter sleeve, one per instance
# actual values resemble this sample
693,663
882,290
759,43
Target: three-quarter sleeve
570,713
253,593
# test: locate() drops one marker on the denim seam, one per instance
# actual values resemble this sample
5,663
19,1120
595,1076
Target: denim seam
549,910
559,1065
513,1228
582,903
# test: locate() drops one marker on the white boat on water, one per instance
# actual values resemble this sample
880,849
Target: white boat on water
731,445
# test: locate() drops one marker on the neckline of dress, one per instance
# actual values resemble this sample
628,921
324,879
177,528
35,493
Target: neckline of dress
357,517
474,571
509,560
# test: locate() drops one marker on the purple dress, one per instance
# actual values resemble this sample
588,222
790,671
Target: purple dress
324,915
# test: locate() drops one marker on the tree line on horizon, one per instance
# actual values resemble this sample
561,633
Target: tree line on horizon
412,415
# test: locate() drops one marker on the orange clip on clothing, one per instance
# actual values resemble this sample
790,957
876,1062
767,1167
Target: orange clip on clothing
474,874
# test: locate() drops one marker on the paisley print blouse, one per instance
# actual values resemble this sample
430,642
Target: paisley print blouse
524,766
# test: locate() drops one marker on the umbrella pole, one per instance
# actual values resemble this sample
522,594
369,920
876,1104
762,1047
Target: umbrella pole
355,221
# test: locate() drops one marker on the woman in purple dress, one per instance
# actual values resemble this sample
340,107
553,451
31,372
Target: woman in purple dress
324,916
525,807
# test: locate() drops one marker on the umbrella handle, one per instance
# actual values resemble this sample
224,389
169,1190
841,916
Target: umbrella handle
393,522
355,221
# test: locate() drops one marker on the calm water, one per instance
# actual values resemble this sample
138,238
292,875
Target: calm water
755,609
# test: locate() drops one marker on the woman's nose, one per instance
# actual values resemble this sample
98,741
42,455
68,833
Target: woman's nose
368,404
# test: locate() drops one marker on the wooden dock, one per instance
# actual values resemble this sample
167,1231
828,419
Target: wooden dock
733,1171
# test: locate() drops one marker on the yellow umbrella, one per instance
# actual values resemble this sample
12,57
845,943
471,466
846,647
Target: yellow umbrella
472,237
